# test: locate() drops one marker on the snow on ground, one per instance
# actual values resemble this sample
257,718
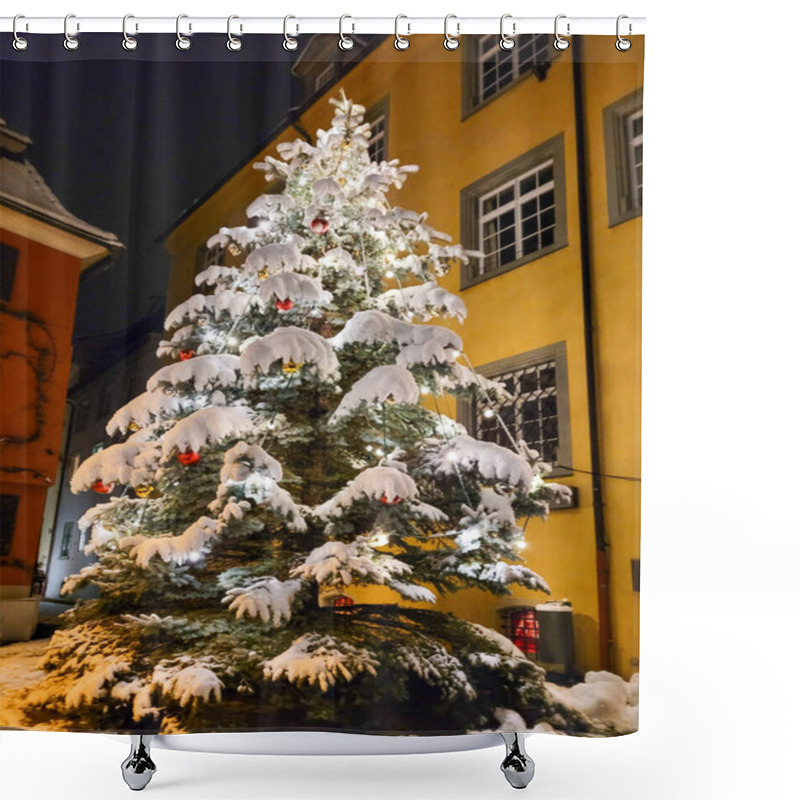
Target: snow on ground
18,668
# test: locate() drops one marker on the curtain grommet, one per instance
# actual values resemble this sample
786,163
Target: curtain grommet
182,42
506,41
234,44
289,42
20,43
560,43
129,42
345,42
451,42
71,43
401,42
622,44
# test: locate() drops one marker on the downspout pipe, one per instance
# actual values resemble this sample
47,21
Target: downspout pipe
601,540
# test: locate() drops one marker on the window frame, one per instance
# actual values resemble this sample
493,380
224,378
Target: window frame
373,114
556,352
623,202
505,624
514,170
471,61
65,545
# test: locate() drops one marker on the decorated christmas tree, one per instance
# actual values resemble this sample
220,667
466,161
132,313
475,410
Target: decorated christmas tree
294,450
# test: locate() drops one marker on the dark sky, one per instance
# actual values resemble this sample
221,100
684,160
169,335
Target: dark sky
128,140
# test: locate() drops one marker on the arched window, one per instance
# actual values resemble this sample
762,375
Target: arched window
342,601
521,626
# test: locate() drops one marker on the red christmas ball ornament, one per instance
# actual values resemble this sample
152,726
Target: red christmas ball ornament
284,305
102,488
185,355
320,225
188,458
393,501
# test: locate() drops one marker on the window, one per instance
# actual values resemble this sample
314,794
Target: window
8,520
521,626
378,118
104,400
489,69
538,411
623,129
324,76
73,462
342,601
8,269
516,214
82,414
67,535
208,256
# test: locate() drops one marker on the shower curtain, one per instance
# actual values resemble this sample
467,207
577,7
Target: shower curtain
320,385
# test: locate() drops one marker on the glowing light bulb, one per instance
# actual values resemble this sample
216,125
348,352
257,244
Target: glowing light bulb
488,413
379,452
232,341
452,456
380,540
389,273
370,448
521,544
271,425
195,557
424,390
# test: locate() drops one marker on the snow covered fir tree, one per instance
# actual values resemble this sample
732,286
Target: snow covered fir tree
292,450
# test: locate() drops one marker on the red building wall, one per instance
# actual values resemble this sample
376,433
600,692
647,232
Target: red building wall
35,354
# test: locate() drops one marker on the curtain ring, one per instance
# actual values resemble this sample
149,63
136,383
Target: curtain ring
623,44
19,42
560,43
345,42
182,43
506,42
234,43
288,42
129,42
450,42
400,42
70,42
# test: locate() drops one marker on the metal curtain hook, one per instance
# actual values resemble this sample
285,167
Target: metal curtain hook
450,42
623,44
129,42
400,42
560,43
288,42
345,42
19,42
506,42
70,42
234,44
182,43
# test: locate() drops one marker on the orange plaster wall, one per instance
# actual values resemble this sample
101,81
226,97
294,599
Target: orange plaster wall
35,335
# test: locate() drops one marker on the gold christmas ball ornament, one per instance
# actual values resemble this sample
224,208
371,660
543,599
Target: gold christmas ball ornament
234,249
145,490
263,274
134,426
290,367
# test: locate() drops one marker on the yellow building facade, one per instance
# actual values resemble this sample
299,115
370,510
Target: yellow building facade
557,318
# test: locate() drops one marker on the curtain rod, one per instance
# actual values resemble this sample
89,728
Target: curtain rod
294,25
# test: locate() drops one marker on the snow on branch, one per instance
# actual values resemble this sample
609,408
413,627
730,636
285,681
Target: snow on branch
268,598
277,256
436,666
177,549
502,573
213,305
218,276
293,286
419,344
424,302
203,372
289,344
243,459
249,472
209,425
144,410
266,205
188,680
387,484
489,461
342,564
321,660
387,383
130,462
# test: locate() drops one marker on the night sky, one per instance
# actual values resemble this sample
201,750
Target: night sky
129,140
